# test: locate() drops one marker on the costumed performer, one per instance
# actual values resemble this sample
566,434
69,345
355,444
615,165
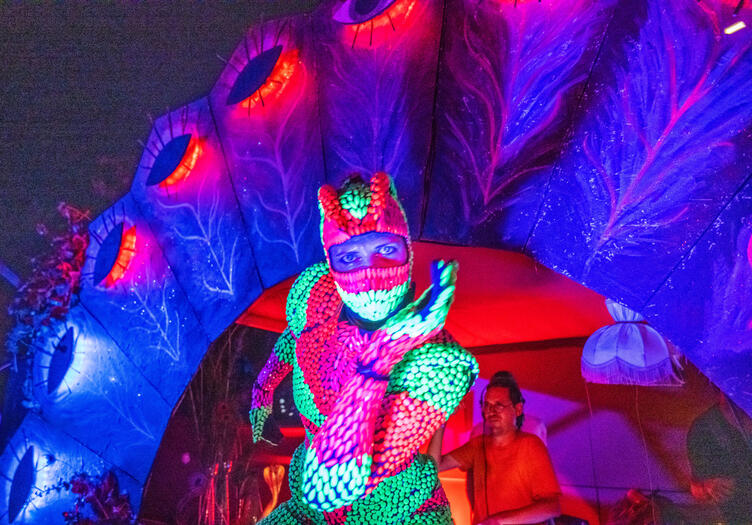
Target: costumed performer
374,372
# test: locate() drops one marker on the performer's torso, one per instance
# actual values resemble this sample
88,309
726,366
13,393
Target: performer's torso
325,361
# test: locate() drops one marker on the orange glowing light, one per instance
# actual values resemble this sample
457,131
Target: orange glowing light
377,30
124,258
192,152
278,80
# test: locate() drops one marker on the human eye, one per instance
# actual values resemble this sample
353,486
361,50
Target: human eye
348,258
387,249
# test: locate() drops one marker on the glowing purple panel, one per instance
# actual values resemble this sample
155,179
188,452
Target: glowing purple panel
141,304
183,189
267,120
130,414
377,75
55,457
511,80
705,306
659,150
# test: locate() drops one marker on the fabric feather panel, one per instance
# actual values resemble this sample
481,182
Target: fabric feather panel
266,111
509,81
183,189
129,288
129,414
377,82
662,146
56,456
705,306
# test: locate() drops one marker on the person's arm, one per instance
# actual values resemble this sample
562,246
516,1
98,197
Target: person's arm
712,490
339,460
702,444
276,368
540,510
443,461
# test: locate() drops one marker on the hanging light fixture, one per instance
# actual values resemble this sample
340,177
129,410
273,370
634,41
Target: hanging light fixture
629,352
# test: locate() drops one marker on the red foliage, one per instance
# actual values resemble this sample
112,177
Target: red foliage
99,501
55,280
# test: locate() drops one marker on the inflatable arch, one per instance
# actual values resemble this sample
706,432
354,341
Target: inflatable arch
609,140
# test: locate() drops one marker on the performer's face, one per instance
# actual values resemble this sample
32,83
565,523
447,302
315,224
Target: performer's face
369,250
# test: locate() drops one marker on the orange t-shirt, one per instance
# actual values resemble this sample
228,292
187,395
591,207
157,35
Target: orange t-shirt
518,473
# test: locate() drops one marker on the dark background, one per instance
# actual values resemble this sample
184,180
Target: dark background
78,82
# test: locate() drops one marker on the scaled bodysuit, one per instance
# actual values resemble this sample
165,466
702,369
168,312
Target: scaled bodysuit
371,385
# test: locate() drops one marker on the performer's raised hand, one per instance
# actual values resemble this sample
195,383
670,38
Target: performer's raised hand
413,325
425,317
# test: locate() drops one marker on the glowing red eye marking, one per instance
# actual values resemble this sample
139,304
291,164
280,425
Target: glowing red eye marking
393,16
749,250
125,255
277,82
191,155
377,30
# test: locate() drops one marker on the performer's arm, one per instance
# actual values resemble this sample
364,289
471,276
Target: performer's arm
339,459
539,510
276,368
424,390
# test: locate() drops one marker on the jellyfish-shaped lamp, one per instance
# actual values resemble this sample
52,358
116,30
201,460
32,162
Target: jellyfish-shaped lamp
628,352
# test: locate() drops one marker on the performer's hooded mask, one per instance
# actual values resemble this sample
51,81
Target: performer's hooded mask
358,208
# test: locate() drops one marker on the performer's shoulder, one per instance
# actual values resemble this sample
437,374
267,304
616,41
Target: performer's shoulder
312,294
447,351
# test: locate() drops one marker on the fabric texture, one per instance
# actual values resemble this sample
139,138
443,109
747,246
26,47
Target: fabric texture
517,474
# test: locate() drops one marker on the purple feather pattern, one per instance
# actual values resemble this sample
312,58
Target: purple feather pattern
657,153
510,79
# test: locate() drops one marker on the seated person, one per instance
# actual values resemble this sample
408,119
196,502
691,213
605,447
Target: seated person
513,476
720,454
530,423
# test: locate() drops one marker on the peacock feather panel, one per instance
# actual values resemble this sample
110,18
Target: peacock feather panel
705,302
661,146
36,460
183,190
265,105
129,287
512,75
376,64
98,388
